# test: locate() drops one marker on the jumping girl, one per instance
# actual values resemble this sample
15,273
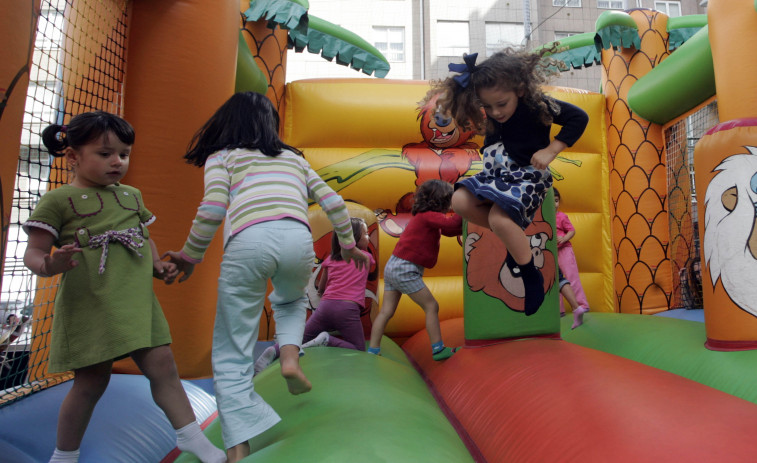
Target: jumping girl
506,194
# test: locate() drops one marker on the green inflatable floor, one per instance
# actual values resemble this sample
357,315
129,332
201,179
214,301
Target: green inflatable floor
362,408
669,344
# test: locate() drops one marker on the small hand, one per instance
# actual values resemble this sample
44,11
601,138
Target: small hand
182,266
361,260
166,271
542,158
61,260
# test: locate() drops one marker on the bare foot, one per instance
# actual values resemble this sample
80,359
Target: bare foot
296,380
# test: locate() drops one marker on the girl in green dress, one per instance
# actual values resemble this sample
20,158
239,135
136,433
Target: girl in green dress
105,308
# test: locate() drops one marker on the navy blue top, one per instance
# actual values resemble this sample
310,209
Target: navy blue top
524,134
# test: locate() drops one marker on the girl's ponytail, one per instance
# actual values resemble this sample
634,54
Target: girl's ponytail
83,129
54,139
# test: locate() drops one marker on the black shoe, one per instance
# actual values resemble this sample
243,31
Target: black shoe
533,281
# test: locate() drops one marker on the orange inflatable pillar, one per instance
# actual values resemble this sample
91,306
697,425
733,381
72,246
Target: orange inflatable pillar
735,69
181,67
18,24
638,184
725,161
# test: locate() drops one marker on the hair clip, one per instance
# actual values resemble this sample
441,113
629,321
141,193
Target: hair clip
465,69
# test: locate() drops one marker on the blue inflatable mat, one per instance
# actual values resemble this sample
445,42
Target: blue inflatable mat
126,426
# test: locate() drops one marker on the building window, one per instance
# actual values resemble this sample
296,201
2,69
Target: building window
562,35
611,4
501,35
568,3
391,42
453,38
672,9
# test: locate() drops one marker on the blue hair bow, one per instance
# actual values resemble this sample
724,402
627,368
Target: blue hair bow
465,69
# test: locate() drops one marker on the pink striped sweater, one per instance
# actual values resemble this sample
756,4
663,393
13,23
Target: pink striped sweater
257,188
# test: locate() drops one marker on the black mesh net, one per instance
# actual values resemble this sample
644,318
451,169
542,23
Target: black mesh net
77,65
680,139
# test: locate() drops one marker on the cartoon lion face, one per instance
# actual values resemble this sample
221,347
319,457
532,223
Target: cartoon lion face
484,252
440,130
730,230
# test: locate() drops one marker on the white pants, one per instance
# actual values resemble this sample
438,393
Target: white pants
281,251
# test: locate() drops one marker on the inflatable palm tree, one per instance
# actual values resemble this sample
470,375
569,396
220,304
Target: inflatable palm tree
270,27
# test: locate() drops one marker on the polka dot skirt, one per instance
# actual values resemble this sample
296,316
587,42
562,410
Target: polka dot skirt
518,190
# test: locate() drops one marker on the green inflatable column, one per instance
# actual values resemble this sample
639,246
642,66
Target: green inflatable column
493,299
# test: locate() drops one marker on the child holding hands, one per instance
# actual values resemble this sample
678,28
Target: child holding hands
105,308
506,194
416,250
265,185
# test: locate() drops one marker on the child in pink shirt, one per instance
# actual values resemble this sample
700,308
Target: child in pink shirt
342,291
566,260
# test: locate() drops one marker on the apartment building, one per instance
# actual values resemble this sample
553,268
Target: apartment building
421,37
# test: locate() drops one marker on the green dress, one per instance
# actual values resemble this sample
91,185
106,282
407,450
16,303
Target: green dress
101,312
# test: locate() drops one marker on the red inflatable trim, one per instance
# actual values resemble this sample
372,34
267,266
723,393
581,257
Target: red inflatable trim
730,346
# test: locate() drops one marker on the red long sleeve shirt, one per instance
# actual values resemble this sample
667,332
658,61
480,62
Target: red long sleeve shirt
419,242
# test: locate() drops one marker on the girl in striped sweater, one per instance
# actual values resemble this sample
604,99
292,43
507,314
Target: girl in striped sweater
264,185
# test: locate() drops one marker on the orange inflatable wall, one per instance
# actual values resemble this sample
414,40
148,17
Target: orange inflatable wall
182,65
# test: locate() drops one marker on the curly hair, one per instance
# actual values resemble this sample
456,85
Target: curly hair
433,195
512,69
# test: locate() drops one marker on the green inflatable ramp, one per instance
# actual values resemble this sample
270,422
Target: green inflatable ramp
669,344
362,408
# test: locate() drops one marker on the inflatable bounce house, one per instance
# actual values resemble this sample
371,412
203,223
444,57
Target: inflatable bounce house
677,96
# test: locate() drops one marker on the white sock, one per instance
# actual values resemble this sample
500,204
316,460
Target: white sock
191,439
265,359
319,341
65,456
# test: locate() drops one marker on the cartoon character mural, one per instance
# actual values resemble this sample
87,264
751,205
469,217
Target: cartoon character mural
484,251
444,154
730,238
